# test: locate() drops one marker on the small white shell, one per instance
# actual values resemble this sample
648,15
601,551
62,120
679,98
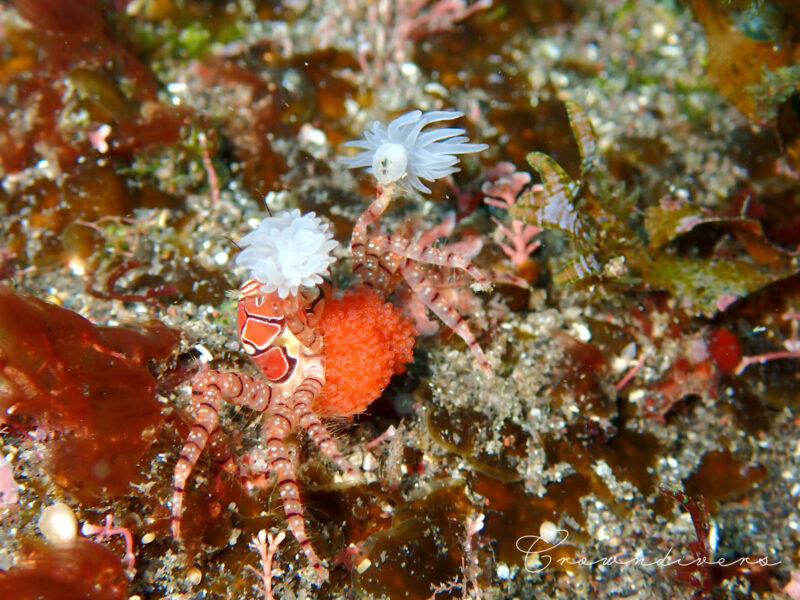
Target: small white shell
58,524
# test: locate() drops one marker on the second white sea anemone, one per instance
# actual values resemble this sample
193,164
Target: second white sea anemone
402,152
288,251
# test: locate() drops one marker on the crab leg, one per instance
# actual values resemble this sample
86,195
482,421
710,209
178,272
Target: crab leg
426,254
209,390
373,212
424,288
303,398
319,434
276,428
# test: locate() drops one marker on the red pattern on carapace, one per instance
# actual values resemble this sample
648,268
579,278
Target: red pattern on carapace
260,327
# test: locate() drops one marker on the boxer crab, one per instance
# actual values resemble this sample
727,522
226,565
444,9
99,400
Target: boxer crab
281,308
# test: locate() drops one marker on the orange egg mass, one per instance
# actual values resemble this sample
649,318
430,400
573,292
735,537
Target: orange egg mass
366,341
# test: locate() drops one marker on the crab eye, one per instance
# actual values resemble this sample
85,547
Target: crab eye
390,162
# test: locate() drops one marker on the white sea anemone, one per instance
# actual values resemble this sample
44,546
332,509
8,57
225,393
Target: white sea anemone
288,251
402,152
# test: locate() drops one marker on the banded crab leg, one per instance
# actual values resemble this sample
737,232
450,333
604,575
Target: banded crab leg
276,428
322,438
209,390
281,418
451,278
372,213
406,249
426,290
302,400
358,239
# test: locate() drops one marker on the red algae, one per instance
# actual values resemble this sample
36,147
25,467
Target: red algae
80,570
581,379
74,69
467,433
508,503
80,19
683,381
421,549
88,385
631,455
721,476
725,349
